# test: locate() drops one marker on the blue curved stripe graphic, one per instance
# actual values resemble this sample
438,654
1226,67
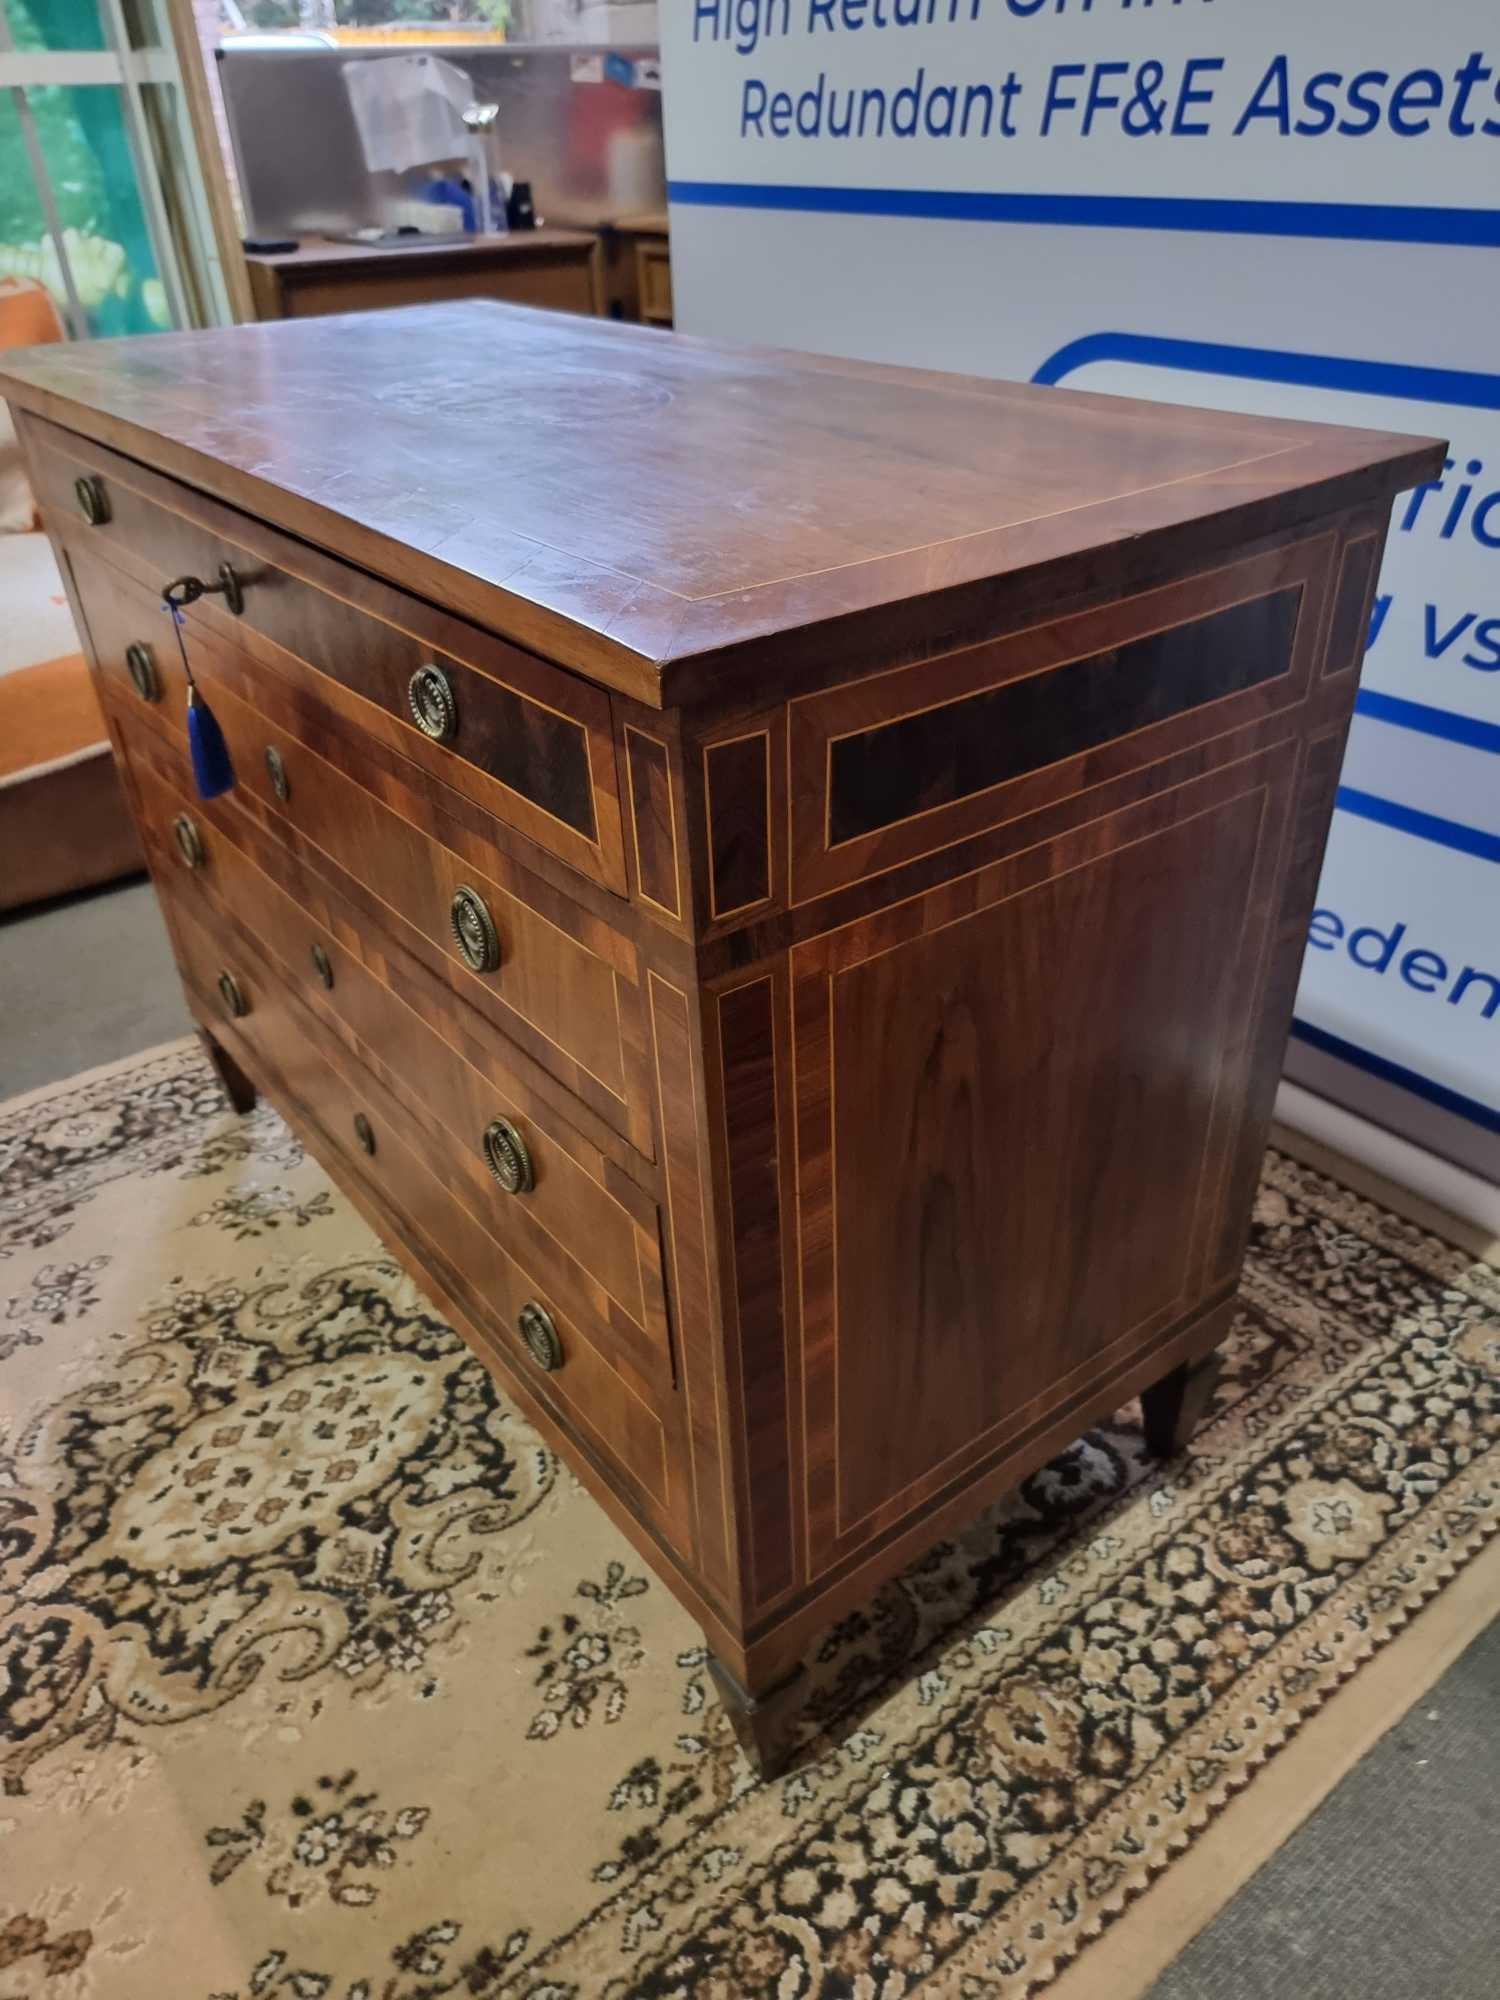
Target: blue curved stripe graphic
1462,386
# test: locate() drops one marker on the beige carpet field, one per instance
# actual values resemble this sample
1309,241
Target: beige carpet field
320,1678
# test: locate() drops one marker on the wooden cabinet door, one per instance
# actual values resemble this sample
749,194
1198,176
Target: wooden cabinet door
1019,1098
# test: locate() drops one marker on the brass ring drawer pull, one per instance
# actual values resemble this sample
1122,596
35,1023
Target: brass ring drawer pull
508,1157
540,1336
364,1131
276,770
323,965
141,667
474,930
189,840
233,995
93,501
429,695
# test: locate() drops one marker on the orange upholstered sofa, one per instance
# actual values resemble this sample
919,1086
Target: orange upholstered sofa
63,820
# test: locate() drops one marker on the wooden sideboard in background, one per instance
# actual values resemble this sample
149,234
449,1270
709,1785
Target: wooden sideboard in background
638,260
557,268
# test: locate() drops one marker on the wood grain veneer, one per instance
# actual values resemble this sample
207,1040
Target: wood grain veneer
900,802
876,511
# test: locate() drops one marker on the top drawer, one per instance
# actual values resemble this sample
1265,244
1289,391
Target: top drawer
529,743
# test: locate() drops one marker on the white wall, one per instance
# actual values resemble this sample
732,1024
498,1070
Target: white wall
1349,270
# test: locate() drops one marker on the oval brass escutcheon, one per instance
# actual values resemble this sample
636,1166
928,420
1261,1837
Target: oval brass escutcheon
233,995
276,769
508,1157
141,666
540,1336
429,695
474,930
93,502
231,589
323,965
189,840
364,1131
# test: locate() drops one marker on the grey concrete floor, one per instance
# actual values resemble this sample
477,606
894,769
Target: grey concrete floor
83,981
1389,1891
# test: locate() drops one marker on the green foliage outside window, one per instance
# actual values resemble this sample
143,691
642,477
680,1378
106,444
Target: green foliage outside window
83,141
272,16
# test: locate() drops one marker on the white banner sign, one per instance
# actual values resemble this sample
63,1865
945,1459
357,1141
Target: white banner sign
1254,204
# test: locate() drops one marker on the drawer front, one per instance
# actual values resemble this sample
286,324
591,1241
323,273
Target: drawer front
322,1086
526,741
902,764
566,985
574,1217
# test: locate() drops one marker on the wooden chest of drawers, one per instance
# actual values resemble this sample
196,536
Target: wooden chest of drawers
776,884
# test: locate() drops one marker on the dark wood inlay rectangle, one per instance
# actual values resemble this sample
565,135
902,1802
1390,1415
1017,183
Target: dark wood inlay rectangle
880,776
1351,612
535,751
651,814
748,1050
737,779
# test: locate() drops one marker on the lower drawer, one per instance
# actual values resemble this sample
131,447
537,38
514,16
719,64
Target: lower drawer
345,1112
573,1216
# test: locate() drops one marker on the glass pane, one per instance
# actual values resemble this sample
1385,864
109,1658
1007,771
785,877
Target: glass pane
82,137
173,148
20,208
55,24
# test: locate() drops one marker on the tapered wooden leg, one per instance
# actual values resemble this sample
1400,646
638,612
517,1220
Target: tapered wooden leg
1175,1406
237,1086
761,1723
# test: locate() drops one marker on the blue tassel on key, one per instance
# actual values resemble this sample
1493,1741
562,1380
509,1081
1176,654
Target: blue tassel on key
212,769
213,772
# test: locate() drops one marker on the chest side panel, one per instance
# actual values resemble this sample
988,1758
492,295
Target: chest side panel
1008,1122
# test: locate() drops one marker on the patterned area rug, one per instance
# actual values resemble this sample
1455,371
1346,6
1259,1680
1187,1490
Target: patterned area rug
321,1677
